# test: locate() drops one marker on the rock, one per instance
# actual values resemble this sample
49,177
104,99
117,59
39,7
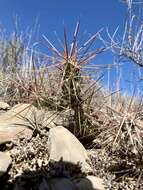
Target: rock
14,123
4,106
90,183
57,184
5,161
9,132
64,145
19,114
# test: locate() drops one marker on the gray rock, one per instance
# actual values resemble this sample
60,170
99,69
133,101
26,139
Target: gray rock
14,123
19,114
64,145
90,183
5,161
9,132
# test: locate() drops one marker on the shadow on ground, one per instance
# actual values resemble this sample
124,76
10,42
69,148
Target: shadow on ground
55,176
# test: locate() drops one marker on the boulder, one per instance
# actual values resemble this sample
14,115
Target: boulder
19,114
9,132
14,123
64,145
90,183
5,161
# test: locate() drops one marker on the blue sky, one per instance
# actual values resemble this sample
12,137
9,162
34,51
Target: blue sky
52,15
93,14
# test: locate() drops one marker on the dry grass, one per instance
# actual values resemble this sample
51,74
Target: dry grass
61,83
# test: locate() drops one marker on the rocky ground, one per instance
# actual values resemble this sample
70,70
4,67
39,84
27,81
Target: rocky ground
52,158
